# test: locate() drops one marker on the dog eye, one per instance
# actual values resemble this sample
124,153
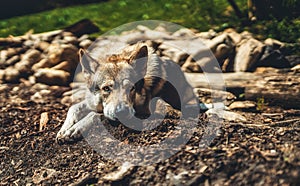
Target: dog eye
106,89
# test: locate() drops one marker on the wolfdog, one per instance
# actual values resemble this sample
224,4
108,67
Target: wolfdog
126,85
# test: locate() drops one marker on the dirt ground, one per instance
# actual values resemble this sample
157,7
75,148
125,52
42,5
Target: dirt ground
263,151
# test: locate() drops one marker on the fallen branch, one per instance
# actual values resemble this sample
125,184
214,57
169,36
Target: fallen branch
275,88
268,125
284,123
251,125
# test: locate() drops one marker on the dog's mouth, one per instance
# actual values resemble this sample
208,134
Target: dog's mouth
119,113
124,114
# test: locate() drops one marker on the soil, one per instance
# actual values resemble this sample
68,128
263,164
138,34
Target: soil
263,151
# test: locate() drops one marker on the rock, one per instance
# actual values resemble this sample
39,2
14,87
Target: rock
197,51
295,68
11,75
246,35
8,56
12,60
228,63
39,97
184,32
273,58
67,34
3,56
83,37
32,56
52,77
191,66
15,51
142,33
27,60
236,37
242,105
175,54
2,75
226,115
248,54
222,51
32,80
66,66
221,46
39,86
70,39
142,28
62,52
29,43
43,45
207,35
85,43
43,63
23,67
160,28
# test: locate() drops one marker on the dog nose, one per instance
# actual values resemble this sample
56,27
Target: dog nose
122,112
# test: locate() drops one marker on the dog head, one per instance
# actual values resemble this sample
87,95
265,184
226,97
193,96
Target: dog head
112,81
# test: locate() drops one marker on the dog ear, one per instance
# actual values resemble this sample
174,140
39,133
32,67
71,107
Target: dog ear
88,63
139,60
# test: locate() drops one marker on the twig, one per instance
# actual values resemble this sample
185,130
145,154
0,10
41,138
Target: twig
268,125
284,123
249,125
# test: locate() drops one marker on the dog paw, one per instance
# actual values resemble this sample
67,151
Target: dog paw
69,135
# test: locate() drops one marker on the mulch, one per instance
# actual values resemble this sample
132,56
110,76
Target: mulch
263,151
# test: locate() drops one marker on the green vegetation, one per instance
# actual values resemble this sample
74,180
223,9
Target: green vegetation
260,104
202,15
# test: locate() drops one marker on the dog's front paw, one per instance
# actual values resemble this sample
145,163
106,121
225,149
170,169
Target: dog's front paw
69,135
73,132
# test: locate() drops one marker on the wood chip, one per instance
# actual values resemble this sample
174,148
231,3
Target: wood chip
43,121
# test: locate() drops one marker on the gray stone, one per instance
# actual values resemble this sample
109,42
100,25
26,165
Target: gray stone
248,54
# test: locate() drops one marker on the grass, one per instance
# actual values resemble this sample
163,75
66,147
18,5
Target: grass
108,15
201,15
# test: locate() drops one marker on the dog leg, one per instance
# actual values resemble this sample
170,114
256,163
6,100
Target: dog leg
75,114
75,131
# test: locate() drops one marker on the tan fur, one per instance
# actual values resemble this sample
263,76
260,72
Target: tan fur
123,85
149,81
